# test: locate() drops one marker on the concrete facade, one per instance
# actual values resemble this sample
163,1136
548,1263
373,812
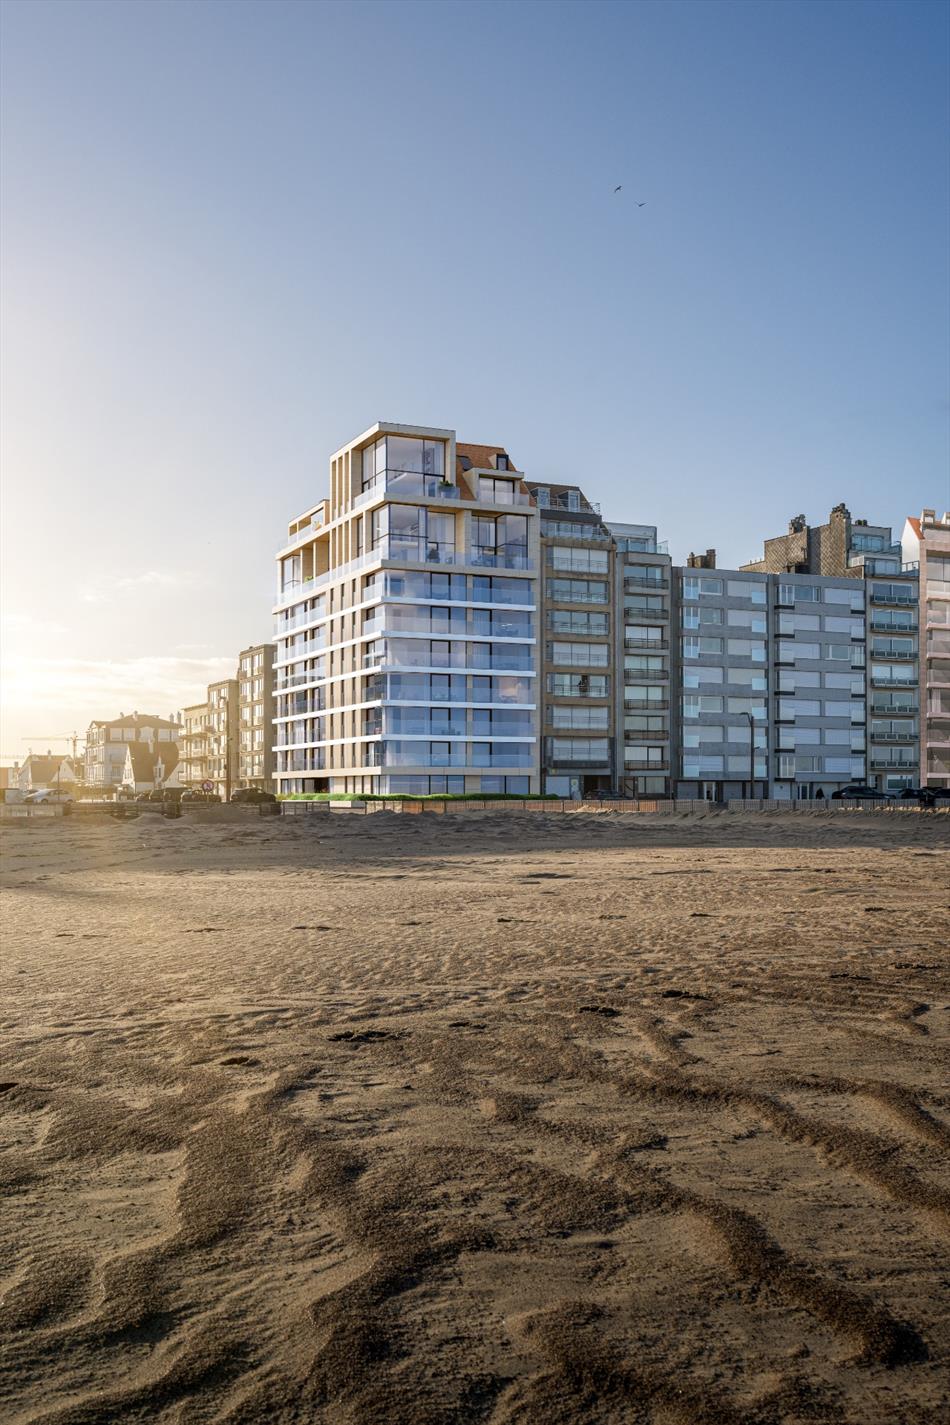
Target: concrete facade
642,597
577,643
223,736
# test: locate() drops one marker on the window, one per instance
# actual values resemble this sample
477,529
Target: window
853,596
750,678
584,655
693,736
644,632
580,749
695,587
752,589
645,573
788,651
694,705
792,679
577,621
694,618
654,602
645,722
501,462
696,677
700,647
747,648
577,560
639,755
798,736
747,618
799,593
643,663
694,766
789,709
739,766
577,591
840,709
785,766
853,682
845,653
790,624
578,685
740,734
644,693
836,624
584,719
755,706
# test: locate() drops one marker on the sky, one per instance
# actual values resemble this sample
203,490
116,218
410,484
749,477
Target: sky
234,235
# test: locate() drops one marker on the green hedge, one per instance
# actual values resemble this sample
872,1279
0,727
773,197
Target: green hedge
421,797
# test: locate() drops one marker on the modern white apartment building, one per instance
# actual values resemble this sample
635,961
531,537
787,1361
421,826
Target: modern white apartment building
407,623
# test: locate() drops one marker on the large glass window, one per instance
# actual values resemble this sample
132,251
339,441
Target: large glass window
577,591
701,647
747,618
746,589
697,677
747,648
580,749
585,719
644,632
694,705
577,621
699,616
584,655
853,595
578,685
696,587
577,559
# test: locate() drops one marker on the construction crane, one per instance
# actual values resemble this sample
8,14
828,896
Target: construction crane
72,737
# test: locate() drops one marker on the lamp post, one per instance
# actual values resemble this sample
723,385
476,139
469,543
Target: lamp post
751,754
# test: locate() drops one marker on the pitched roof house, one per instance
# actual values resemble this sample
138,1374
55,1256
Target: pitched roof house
151,765
39,773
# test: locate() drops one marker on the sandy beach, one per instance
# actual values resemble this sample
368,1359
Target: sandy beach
585,1119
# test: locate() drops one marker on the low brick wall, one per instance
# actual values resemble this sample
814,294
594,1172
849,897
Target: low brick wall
655,807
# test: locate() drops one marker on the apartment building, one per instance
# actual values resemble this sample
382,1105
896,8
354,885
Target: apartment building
856,548
642,592
771,680
223,735
107,740
407,623
578,657
193,744
256,716
926,542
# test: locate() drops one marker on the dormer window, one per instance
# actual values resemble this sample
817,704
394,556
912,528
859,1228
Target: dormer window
501,462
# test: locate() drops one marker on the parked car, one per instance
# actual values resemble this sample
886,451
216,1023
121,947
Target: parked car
858,792
193,795
255,795
49,796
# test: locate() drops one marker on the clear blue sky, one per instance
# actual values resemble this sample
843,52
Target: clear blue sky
235,234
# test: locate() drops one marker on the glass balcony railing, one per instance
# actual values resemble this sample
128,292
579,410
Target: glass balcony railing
472,657
473,625
406,485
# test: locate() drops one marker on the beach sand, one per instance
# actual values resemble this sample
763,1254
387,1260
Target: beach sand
582,1118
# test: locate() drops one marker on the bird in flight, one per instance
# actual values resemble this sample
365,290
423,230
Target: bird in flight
618,187
641,205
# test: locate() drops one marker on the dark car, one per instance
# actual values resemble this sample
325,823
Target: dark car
858,792
254,795
193,795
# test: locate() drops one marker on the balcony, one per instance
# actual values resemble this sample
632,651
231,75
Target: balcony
876,681
644,768
878,736
633,583
646,644
406,485
896,600
885,650
638,735
892,763
646,705
471,659
882,624
883,706
646,675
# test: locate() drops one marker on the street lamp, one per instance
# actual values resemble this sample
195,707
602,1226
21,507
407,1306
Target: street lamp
751,754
